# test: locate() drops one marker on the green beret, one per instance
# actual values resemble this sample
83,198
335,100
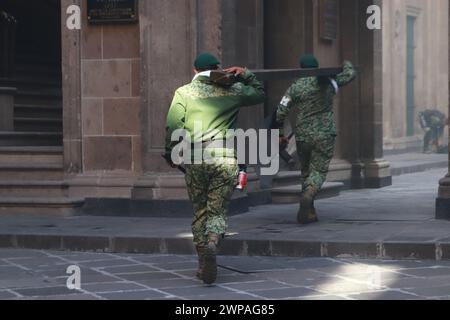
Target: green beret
205,60
309,61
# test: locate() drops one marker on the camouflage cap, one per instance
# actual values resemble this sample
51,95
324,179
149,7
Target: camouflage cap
205,60
309,61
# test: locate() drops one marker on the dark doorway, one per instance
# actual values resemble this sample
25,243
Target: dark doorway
36,73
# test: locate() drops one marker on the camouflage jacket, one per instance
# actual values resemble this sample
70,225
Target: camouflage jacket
314,105
432,119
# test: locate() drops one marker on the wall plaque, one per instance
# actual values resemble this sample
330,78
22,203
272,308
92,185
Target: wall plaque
112,11
328,12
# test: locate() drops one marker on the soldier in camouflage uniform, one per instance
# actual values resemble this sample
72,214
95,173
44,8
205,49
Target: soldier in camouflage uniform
315,129
433,122
211,183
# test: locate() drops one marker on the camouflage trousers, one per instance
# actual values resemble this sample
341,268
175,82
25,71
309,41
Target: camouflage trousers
431,139
315,156
210,187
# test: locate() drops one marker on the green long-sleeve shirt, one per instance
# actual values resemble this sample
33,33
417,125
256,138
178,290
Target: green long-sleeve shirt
314,105
206,111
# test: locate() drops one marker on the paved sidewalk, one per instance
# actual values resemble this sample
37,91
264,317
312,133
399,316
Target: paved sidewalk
391,223
30,275
416,162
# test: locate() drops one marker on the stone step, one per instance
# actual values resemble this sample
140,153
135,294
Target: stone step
53,206
32,188
51,97
286,178
291,194
28,139
38,124
33,82
55,235
37,111
44,171
54,82
30,57
28,69
49,93
35,155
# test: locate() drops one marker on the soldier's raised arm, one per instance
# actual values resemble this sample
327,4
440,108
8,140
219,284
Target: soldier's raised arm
250,88
347,75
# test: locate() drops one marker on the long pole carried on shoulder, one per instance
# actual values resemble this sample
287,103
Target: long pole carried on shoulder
279,74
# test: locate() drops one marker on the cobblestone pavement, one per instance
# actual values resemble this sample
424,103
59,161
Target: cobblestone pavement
36,274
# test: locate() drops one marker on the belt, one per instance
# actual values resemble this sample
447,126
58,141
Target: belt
214,148
219,144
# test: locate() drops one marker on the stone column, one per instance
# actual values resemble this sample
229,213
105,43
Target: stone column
376,170
71,69
443,200
349,107
168,46
242,43
209,27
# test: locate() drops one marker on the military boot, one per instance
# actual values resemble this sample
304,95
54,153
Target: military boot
307,213
209,259
201,261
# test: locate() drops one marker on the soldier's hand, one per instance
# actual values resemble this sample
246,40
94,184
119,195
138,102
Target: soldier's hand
169,161
173,166
235,70
284,142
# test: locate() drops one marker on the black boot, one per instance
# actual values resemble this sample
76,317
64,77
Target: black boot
210,259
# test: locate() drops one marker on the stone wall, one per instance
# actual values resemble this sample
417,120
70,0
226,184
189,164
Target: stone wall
114,123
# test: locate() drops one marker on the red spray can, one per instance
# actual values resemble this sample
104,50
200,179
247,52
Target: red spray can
242,178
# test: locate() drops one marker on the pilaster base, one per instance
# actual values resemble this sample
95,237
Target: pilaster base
442,209
166,195
100,185
150,195
163,186
357,178
340,171
443,200
377,174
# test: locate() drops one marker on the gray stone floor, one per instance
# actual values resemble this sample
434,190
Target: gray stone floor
415,162
37,274
407,208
